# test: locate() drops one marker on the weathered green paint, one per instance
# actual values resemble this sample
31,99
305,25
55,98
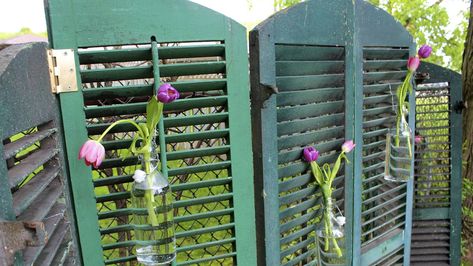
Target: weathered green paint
6,202
438,75
353,130
62,36
16,75
432,214
150,18
379,251
265,160
410,183
240,142
25,86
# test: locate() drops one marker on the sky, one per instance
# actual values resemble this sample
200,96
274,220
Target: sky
14,15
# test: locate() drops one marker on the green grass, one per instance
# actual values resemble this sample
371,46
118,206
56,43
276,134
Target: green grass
8,35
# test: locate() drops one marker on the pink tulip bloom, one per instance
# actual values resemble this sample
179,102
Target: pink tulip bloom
413,63
167,94
311,154
93,152
418,139
348,146
424,51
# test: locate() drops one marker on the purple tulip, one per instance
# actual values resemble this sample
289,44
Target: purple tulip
348,146
93,152
413,63
311,154
167,94
424,51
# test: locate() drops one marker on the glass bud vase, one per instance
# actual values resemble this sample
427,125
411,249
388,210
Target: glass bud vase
153,215
398,163
330,236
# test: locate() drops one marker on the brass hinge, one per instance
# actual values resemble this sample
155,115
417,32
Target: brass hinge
62,70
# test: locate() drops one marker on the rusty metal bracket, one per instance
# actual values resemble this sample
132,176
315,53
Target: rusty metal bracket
421,77
17,235
459,106
62,70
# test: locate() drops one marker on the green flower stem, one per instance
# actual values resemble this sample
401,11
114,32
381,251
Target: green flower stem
409,146
153,220
402,94
324,178
327,233
327,194
140,131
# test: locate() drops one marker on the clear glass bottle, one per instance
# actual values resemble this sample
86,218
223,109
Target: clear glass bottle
398,163
153,217
331,235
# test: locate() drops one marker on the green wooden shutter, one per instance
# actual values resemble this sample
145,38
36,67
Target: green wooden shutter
437,196
31,170
310,100
206,145
323,72
384,203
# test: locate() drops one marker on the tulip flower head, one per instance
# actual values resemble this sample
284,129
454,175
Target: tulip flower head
348,146
167,94
311,154
418,139
424,51
413,63
92,152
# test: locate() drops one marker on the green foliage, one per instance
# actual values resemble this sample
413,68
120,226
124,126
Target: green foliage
23,31
429,24
281,4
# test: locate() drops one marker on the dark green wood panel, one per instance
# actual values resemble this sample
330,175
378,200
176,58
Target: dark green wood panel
353,91
15,70
378,28
312,22
263,108
320,57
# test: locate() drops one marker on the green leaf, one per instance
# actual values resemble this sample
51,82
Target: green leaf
154,110
336,167
146,141
327,172
317,172
132,148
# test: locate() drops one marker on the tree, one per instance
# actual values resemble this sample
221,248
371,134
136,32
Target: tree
281,4
25,30
429,24
468,138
